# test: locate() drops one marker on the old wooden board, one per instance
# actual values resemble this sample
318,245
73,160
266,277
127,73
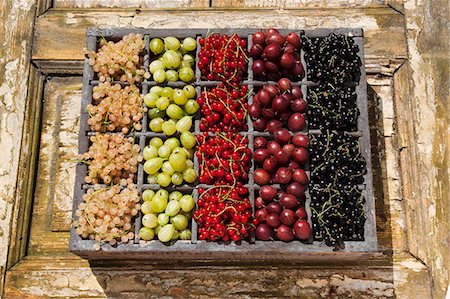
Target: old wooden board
215,3
385,44
16,19
154,4
55,178
76,278
296,3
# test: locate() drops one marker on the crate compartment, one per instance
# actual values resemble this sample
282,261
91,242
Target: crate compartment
195,249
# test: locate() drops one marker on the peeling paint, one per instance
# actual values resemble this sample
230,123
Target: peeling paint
8,87
429,84
413,265
311,283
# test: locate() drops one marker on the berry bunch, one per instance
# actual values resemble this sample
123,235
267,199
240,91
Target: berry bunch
224,158
276,56
115,108
338,214
282,161
111,158
223,58
224,213
277,106
337,167
119,61
223,109
336,159
332,59
105,215
333,108
280,215
336,202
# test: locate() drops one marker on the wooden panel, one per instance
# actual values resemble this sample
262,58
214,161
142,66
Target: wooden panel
166,4
16,19
296,3
27,167
76,278
56,172
385,44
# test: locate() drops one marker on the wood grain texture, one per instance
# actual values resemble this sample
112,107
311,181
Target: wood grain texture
16,18
164,4
385,44
422,104
217,3
55,176
76,278
296,3
27,166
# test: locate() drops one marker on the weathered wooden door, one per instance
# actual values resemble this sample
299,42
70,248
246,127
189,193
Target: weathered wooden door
43,69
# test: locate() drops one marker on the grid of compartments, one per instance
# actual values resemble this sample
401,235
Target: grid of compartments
86,248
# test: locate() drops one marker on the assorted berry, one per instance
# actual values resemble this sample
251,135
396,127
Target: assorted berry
224,210
171,110
242,195
281,216
282,160
170,162
172,60
106,214
336,160
120,61
166,215
115,108
280,212
338,214
111,158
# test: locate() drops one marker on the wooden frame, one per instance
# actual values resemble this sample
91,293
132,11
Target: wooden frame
47,62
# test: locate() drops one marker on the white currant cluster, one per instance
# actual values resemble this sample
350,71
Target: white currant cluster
106,214
111,158
115,108
120,60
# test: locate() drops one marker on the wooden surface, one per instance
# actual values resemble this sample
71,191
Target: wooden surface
216,3
296,3
76,278
49,270
422,103
162,4
55,177
16,19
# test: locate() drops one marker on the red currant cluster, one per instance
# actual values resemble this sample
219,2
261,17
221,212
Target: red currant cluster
223,58
224,213
224,158
224,109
